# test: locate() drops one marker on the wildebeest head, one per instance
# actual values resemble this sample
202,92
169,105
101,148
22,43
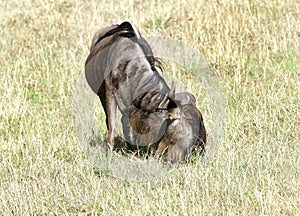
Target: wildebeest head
174,126
186,133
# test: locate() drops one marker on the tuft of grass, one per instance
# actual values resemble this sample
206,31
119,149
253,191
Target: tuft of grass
253,47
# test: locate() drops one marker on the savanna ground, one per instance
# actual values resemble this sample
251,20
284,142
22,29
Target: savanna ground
253,47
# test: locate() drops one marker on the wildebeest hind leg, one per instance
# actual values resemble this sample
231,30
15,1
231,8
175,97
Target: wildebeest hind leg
110,108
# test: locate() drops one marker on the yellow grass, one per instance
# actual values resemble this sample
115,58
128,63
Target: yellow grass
253,46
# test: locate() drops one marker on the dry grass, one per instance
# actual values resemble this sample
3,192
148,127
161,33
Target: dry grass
254,48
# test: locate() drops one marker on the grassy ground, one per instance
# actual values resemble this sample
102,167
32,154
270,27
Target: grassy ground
253,47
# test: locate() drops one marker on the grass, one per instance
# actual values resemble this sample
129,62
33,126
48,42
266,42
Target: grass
253,47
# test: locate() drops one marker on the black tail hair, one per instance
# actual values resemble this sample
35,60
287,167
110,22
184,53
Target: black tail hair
123,26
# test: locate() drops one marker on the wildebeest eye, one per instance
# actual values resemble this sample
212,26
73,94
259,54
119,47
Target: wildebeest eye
162,111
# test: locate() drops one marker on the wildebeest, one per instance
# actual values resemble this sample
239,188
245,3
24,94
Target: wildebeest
121,70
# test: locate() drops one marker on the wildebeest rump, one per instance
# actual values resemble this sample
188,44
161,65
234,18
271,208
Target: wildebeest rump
121,70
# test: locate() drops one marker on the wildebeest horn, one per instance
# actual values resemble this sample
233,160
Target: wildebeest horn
171,93
184,98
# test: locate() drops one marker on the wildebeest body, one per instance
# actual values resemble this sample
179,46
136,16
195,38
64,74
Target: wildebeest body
121,70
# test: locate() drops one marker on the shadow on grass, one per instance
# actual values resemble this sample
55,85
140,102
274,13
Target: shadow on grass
126,149
127,162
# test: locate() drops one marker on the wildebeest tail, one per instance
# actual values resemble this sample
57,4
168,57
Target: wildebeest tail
125,29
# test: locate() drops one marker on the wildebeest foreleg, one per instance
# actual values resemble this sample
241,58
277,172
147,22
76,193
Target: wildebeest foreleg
161,149
126,128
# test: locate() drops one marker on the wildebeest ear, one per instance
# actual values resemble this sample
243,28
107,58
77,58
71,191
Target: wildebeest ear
184,98
173,110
